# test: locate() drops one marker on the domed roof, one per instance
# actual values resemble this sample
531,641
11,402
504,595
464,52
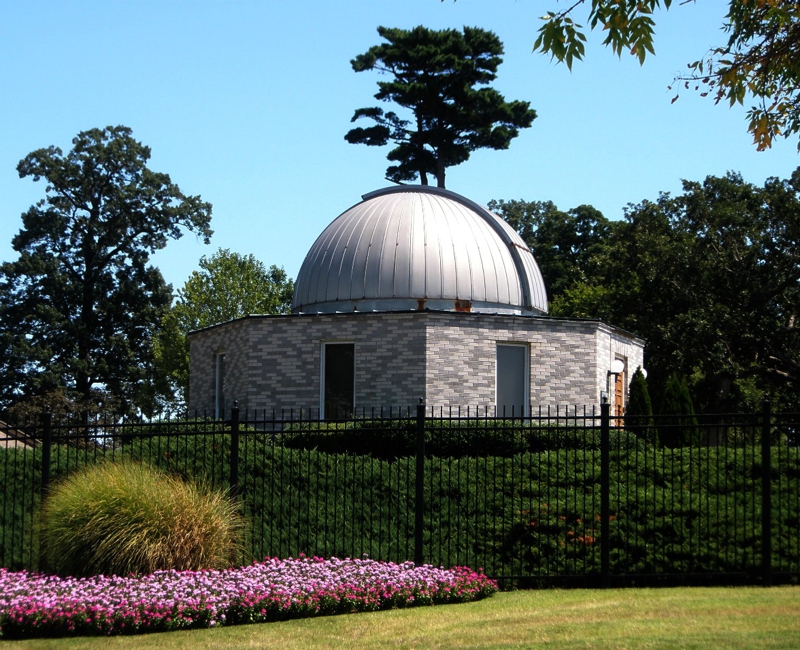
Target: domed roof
417,247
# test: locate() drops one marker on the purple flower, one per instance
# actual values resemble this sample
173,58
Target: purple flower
37,604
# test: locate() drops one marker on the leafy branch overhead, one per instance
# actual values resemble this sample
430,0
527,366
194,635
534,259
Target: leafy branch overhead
759,60
441,77
628,24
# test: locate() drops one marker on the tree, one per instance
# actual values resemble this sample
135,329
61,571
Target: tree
639,410
711,279
441,77
677,425
78,309
759,58
566,244
227,286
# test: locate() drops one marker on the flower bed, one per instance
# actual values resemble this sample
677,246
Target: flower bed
43,605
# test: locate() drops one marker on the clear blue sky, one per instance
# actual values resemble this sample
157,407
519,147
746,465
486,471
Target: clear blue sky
246,103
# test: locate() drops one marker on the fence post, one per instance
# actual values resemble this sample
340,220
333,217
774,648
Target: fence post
47,445
419,501
766,494
234,479
605,494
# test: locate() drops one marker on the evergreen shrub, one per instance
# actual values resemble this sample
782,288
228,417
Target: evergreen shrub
639,409
688,510
457,438
691,509
677,425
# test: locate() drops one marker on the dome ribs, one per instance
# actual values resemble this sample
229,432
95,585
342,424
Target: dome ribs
415,247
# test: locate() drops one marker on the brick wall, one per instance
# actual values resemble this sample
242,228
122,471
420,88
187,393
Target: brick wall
568,358
274,361
447,358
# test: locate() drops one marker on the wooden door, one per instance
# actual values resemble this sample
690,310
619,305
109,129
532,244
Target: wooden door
619,395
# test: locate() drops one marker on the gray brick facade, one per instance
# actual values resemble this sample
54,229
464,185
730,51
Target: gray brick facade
448,358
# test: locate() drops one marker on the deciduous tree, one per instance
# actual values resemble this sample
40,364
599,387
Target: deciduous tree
566,244
78,309
441,78
711,279
758,60
227,286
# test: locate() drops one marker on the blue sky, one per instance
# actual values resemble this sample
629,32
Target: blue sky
247,102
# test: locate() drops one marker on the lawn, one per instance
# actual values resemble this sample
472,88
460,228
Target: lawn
742,617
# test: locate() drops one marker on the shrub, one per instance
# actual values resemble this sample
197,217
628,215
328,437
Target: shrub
639,411
468,437
677,425
123,518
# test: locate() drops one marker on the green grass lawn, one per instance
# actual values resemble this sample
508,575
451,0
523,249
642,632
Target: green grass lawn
742,617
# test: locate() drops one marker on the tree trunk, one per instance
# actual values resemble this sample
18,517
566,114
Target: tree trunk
440,168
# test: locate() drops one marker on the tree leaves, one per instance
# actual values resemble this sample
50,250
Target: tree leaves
759,60
79,307
440,78
711,280
566,245
628,26
561,38
227,286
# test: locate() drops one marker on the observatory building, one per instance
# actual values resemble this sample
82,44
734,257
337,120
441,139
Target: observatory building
415,292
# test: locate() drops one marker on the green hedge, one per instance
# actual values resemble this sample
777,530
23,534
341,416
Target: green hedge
391,439
690,510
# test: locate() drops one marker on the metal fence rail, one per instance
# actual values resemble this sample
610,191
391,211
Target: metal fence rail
559,496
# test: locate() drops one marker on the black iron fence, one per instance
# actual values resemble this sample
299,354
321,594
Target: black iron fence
559,496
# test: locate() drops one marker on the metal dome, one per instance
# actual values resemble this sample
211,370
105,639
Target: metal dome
418,247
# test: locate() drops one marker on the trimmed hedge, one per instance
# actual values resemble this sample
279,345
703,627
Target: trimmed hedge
683,510
392,439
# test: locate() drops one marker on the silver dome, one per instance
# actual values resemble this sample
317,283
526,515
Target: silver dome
418,247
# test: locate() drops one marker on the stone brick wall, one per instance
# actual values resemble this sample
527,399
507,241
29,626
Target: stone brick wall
447,358
231,339
274,361
567,358
612,344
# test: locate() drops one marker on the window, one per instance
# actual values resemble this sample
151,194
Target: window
512,379
338,380
219,385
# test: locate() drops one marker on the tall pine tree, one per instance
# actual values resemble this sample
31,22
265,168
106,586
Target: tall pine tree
441,78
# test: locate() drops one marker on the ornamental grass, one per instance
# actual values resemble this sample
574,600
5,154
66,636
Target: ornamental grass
36,605
129,518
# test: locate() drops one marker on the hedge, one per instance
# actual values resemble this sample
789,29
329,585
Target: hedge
535,513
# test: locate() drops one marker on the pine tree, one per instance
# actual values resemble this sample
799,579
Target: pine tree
639,410
677,426
441,77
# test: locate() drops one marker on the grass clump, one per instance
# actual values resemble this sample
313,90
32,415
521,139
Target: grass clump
129,518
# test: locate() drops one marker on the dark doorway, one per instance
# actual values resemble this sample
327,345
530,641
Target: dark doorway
338,381
219,385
